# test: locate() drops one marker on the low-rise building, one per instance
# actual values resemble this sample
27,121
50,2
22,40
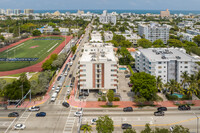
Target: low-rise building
168,63
7,35
98,68
186,36
193,31
28,11
108,35
96,37
165,13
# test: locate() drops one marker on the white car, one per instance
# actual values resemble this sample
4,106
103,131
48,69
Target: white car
171,129
34,108
78,113
93,121
53,88
19,127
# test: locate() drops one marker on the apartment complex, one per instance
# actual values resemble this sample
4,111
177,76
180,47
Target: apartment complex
28,11
98,69
106,18
165,13
186,36
9,12
193,31
168,63
154,31
17,11
96,36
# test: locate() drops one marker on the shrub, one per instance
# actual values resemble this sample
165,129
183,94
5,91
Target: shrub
99,99
171,97
68,96
103,98
186,97
116,99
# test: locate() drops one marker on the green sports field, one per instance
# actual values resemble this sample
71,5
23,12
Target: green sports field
39,48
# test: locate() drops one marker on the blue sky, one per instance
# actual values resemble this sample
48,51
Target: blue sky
102,4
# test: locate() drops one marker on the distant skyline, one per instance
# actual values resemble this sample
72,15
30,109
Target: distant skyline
101,4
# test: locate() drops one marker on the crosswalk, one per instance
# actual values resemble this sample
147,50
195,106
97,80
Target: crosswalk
5,123
70,121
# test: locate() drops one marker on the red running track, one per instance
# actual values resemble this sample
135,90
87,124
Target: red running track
37,67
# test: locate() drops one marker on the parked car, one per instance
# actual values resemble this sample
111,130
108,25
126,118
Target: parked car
59,78
78,113
184,107
70,75
83,93
126,126
159,113
19,127
127,76
53,97
41,114
162,108
13,114
68,69
53,88
71,85
65,104
73,79
130,84
128,109
34,108
93,121
57,90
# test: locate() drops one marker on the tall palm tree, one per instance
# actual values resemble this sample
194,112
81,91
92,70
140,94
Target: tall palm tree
172,85
159,83
185,77
86,128
193,85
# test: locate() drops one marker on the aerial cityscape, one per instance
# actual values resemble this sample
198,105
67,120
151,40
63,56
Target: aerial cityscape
99,66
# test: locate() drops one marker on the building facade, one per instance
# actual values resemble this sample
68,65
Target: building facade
17,11
186,36
154,32
98,69
28,11
106,18
168,63
165,13
9,11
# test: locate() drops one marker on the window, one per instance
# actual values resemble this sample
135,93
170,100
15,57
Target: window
159,62
186,67
164,66
186,62
159,67
181,66
159,71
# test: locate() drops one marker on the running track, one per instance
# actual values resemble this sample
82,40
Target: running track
37,67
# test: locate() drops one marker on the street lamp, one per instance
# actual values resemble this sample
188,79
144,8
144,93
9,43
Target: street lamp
197,122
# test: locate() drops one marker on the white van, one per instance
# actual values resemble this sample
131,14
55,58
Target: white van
53,97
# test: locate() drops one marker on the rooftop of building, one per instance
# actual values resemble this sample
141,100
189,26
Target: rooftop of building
166,54
98,52
155,25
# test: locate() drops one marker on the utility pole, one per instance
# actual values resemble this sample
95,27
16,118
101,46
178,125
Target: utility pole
197,122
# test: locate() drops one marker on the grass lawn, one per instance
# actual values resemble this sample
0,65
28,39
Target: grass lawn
109,106
8,80
29,49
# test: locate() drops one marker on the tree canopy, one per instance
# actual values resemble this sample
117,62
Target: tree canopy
175,43
144,43
158,43
36,33
104,124
197,39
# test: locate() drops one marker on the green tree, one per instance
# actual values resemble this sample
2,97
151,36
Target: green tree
162,130
36,33
54,56
175,43
144,43
197,40
144,85
47,65
130,131
52,24
125,43
2,38
118,38
110,95
86,128
180,129
147,129
73,49
56,30
159,83
158,43
104,124
185,77
172,86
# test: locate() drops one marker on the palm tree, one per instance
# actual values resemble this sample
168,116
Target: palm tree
159,83
185,77
172,85
193,85
86,128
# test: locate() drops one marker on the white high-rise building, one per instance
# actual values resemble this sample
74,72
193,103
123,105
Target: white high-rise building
17,11
106,18
28,11
168,63
2,11
98,69
9,11
154,32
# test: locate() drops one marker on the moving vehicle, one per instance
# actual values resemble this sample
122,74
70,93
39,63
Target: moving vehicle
162,109
53,97
126,126
73,79
68,69
34,108
13,114
78,113
184,107
159,113
65,104
70,63
65,74
57,90
53,88
128,109
130,84
70,75
19,127
59,78
41,114
93,121
74,57
71,85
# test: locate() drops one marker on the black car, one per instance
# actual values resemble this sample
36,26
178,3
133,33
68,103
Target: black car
83,94
41,114
126,126
127,76
65,104
58,78
13,114
68,69
159,113
128,109
184,107
73,79
70,75
162,109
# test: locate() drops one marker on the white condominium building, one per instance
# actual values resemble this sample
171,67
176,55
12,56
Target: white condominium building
2,11
168,63
98,69
186,36
9,12
154,32
193,31
96,37
28,11
17,11
106,18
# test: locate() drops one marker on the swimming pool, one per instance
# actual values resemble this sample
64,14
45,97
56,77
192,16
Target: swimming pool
122,68
178,95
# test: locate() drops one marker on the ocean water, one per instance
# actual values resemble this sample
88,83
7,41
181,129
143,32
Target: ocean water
186,12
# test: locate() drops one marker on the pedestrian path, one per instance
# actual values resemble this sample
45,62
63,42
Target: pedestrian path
70,121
